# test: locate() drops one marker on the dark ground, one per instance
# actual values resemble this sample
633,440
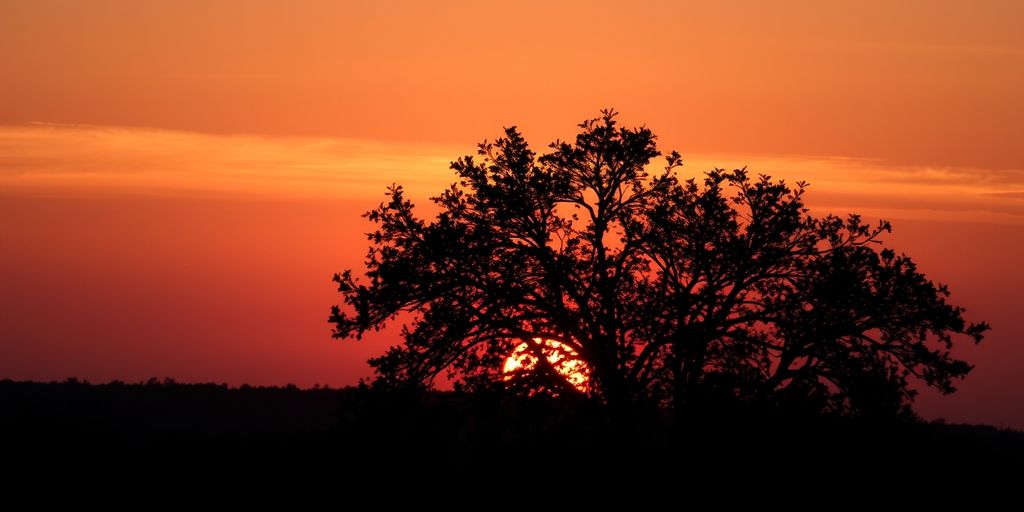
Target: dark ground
216,429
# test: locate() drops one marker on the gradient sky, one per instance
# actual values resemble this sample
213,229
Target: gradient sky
179,180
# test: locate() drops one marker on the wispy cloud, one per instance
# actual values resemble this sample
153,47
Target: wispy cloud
78,159
882,189
84,160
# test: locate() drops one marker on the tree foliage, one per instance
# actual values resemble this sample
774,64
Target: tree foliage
673,290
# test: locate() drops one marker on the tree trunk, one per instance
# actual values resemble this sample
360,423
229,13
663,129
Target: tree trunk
689,369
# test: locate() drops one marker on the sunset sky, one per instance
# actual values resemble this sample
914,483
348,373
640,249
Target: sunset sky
180,179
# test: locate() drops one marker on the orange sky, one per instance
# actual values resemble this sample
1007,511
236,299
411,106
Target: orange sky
923,82
179,180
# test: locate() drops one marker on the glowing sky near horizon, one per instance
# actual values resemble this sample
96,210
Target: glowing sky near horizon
179,180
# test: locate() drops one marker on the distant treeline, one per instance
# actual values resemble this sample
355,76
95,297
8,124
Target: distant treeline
365,426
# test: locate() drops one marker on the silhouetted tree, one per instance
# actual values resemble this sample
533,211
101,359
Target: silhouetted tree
673,291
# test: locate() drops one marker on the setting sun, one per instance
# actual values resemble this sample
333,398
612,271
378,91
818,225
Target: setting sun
562,358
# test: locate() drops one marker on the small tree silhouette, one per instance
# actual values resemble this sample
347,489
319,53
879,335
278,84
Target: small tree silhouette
671,291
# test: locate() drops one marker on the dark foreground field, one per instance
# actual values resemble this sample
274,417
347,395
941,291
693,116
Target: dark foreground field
215,428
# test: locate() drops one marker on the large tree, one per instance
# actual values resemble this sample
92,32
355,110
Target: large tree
669,290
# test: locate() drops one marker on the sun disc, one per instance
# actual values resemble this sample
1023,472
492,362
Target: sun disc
560,356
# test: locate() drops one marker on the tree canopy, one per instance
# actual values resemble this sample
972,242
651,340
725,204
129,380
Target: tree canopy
670,290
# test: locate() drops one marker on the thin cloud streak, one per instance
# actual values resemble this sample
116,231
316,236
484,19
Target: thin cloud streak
877,188
82,160
86,160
